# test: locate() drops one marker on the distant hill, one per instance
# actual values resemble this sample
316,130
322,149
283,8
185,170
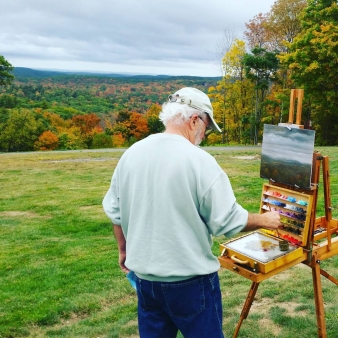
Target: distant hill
21,72
26,73
68,94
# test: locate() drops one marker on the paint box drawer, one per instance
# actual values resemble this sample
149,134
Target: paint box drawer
260,252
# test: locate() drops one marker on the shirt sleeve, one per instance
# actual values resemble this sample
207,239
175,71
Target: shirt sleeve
220,211
111,202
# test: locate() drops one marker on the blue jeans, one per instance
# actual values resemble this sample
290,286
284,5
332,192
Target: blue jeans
192,306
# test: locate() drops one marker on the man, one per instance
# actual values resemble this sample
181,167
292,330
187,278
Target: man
167,198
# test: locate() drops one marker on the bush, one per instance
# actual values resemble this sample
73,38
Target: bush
118,140
47,141
213,139
102,140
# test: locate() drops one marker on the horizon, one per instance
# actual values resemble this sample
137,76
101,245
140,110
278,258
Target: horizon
105,72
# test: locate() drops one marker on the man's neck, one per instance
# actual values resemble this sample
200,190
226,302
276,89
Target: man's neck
178,130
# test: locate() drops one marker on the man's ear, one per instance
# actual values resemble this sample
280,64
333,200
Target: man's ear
193,121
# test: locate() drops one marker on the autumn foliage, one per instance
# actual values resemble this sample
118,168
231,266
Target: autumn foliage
49,131
47,141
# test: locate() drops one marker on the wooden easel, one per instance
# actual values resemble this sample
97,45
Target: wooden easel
299,94
314,252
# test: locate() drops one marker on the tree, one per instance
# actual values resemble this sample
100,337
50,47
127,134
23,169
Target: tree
152,116
8,101
118,140
233,60
283,23
5,68
256,34
138,125
260,68
218,94
271,30
88,126
274,31
102,140
232,95
131,130
20,131
222,47
57,123
239,89
70,139
86,123
313,61
47,141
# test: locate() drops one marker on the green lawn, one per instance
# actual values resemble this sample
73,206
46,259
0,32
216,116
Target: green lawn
59,275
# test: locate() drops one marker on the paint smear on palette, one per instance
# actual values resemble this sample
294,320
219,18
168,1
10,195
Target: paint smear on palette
260,245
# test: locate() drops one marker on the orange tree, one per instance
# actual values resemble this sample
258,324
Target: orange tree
88,126
47,141
130,127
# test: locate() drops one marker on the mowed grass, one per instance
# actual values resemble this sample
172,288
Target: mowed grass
59,275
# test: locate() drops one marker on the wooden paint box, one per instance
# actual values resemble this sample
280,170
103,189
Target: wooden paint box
263,251
260,252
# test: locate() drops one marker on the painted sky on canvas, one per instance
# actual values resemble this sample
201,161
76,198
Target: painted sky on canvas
284,144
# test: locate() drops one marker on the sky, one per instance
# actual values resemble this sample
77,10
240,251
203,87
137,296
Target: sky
123,36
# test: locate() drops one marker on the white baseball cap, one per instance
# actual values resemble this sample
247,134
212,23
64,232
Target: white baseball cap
195,98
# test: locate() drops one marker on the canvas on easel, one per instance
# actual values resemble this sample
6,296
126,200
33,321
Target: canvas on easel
287,155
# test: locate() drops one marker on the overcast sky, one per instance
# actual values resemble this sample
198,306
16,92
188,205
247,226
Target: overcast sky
122,36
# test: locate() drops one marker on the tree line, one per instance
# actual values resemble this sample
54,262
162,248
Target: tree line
76,111
292,46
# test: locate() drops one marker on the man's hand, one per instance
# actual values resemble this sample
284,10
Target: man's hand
268,220
121,243
122,259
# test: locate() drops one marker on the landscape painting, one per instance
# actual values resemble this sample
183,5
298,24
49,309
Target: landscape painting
287,155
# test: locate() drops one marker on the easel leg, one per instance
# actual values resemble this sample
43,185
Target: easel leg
247,306
317,285
329,277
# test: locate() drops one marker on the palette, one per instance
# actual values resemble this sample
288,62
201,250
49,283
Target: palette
259,246
260,252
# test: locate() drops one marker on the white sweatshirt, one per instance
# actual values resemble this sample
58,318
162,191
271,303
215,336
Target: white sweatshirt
170,196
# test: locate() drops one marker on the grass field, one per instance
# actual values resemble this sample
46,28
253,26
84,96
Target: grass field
59,275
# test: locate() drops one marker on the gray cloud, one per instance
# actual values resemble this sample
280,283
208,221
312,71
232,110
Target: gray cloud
145,36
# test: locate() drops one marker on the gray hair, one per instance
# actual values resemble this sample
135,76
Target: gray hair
177,113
